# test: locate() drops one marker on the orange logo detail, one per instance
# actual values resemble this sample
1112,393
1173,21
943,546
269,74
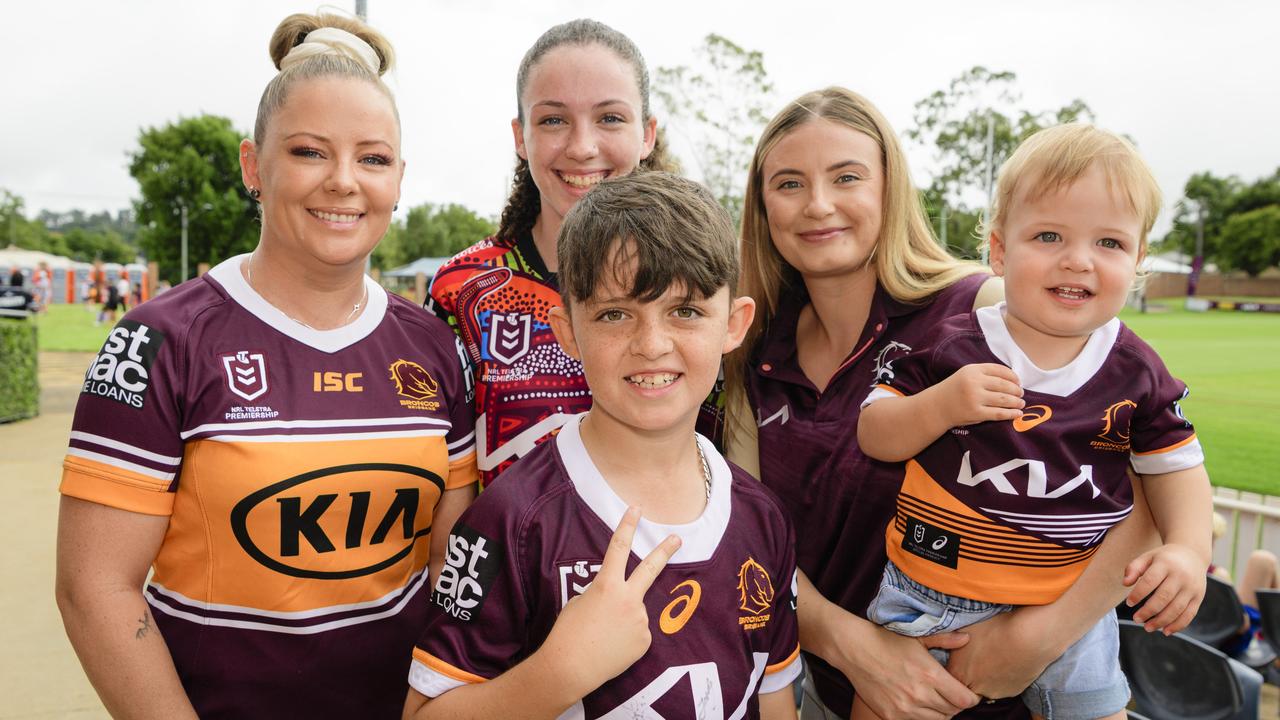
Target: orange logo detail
678,611
1115,423
413,381
1030,419
754,587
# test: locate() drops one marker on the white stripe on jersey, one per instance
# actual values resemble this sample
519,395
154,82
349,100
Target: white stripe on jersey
268,626
1111,515
1157,463
284,424
124,447
326,436
464,440
122,464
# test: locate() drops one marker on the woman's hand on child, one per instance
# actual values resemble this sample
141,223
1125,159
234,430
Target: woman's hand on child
603,631
979,393
1173,576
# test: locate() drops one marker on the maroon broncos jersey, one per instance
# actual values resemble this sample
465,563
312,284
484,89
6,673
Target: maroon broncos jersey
1011,512
722,611
299,470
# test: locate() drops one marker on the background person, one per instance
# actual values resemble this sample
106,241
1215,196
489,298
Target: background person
847,277
582,115
277,437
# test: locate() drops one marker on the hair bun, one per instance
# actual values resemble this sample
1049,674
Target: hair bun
301,36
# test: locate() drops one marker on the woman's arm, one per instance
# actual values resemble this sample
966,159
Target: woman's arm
893,674
103,557
448,510
1006,653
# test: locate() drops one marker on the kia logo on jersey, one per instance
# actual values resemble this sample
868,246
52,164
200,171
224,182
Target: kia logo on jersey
246,374
338,522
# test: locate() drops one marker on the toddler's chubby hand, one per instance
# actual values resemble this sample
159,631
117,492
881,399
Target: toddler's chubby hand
601,632
980,392
1174,577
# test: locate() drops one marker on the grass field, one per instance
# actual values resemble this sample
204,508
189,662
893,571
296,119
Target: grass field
1230,360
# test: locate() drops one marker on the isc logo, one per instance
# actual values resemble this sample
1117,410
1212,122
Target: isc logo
335,523
472,561
336,382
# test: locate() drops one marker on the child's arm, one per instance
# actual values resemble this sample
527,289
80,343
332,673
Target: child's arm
893,429
778,705
1174,573
597,636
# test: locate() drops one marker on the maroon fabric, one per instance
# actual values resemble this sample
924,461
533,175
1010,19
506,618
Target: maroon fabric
839,499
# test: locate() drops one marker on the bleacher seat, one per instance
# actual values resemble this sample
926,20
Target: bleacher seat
1220,614
1180,678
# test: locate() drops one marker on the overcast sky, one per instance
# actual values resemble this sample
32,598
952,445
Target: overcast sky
1196,84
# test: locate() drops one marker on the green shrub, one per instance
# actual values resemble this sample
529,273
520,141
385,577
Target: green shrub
19,382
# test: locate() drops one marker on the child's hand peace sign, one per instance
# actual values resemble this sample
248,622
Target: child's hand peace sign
600,633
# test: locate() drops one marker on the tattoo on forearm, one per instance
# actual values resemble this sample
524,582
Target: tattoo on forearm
145,623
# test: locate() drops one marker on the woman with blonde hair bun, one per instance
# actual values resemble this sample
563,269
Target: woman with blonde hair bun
847,277
276,439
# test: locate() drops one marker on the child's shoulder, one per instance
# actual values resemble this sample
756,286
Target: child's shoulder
524,488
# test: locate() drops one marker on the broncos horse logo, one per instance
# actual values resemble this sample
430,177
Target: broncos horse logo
413,381
754,587
1115,422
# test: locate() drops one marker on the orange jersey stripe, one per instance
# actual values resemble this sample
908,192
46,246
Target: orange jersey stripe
445,668
782,664
83,478
1171,448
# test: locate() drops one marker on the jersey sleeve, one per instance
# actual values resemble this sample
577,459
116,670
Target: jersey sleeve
784,664
126,447
441,297
476,625
1162,438
904,375
461,438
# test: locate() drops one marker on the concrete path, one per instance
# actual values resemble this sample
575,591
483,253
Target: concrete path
41,677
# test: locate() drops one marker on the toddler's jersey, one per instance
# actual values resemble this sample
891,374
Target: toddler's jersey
722,612
1011,512
299,469
496,294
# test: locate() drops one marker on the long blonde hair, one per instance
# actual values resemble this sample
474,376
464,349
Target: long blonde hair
909,262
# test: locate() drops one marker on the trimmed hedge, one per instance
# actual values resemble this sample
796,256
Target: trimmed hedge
19,381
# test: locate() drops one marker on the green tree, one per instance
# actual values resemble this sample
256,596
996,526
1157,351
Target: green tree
953,122
431,231
718,105
963,232
18,230
1250,241
1204,197
193,162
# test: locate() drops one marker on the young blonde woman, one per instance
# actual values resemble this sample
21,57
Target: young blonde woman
276,439
847,276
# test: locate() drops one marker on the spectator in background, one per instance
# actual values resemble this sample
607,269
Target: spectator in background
15,277
43,281
1261,572
124,289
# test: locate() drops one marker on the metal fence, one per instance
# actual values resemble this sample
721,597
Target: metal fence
1253,522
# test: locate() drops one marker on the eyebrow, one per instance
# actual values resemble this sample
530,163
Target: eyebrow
324,139
830,168
557,104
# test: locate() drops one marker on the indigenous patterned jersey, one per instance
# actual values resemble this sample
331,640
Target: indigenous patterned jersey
496,295
722,611
1011,512
299,470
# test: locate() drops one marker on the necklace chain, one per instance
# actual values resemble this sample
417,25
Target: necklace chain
706,467
354,309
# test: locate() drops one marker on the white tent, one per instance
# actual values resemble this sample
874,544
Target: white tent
31,259
426,266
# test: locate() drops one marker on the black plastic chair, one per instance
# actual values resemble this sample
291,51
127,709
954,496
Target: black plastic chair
1179,678
1220,615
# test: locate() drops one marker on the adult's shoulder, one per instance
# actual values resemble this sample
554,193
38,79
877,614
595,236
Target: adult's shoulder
178,310
479,254
412,314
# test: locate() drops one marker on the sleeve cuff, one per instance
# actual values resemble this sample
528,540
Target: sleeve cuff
780,675
1183,455
879,393
87,480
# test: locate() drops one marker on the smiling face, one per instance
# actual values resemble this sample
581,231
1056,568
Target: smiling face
329,170
582,123
823,188
1068,260
650,365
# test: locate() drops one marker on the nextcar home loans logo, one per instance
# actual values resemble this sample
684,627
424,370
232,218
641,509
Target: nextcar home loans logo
471,563
122,370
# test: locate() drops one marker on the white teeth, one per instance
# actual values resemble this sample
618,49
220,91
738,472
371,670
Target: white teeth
1072,293
333,217
653,381
582,181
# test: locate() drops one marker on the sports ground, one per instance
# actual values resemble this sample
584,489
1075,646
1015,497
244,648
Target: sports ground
1231,360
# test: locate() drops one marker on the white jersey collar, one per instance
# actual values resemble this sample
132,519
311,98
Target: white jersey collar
699,539
227,274
1062,381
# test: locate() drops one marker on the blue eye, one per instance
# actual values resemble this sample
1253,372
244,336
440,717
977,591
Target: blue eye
848,178
788,184
1111,243
1048,236
305,152
553,120
613,118
376,159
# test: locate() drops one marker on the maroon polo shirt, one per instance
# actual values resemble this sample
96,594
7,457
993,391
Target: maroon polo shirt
840,500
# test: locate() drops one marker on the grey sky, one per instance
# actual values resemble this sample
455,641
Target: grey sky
1196,84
